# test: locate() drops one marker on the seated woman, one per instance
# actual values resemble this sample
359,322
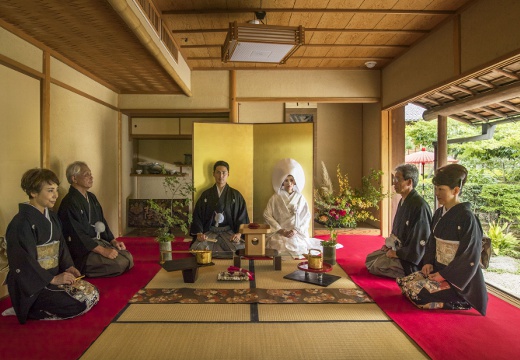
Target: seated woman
287,211
42,281
451,277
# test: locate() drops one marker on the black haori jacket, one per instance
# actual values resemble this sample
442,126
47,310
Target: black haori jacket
412,227
231,204
78,217
461,226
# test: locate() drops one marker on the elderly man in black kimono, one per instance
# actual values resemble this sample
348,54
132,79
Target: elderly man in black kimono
42,280
404,248
451,277
218,214
91,243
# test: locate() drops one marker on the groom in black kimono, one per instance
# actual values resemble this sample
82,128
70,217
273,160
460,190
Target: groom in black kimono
218,214
95,251
404,248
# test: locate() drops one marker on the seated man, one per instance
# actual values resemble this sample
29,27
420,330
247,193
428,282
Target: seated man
92,246
218,214
404,248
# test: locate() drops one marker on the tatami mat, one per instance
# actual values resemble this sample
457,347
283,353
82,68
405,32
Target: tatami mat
251,341
241,312
187,312
321,312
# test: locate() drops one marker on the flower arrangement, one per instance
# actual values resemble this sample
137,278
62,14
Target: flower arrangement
333,238
348,206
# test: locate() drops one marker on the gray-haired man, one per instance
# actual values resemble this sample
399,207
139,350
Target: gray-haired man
404,248
91,243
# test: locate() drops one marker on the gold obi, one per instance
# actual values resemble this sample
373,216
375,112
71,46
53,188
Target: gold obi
48,254
445,250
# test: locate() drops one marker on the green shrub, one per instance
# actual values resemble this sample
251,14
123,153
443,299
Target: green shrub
503,242
501,201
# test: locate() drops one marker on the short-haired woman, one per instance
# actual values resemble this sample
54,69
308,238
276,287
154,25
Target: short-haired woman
42,280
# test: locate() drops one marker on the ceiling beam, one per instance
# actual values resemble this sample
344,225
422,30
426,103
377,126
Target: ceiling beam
476,116
462,89
306,10
303,58
446,95
461,119
377,46
506,74
509,106
483,83
368,31
493,111
483,99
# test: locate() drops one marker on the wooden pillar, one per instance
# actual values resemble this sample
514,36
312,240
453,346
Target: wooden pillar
441,156
397,143
45,108
119,173
233,105
392,154
386,167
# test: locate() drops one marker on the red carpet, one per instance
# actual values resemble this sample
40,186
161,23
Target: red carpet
68,339
441,334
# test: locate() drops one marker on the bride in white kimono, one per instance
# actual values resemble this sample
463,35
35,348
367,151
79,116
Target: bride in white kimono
287,211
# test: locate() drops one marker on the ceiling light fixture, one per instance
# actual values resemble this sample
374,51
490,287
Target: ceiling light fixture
261,43
370,64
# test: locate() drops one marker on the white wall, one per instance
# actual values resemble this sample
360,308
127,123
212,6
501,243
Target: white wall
260,112
210,91
85,130
308,83
20,138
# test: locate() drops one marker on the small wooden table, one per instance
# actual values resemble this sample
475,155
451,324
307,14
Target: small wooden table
277,259
313,276
188,266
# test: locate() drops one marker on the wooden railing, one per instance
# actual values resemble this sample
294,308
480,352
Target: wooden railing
154,16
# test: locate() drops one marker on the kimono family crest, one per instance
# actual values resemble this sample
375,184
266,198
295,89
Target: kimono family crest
346,207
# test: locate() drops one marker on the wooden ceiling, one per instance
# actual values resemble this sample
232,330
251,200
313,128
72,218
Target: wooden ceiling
92,35
339,34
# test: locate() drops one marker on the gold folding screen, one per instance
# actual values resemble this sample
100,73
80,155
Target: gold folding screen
251,151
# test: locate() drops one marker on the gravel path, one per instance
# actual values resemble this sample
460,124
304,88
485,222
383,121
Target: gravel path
507,281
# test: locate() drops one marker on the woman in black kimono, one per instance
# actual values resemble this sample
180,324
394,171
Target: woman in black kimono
451,277
42,280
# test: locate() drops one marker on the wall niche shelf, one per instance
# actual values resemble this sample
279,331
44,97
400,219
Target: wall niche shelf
158,175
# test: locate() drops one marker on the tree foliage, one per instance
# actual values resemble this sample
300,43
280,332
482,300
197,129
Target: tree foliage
501,201
493,166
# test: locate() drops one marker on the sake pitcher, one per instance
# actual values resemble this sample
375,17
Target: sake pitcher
315,260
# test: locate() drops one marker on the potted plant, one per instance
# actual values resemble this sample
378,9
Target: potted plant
329,247
176,216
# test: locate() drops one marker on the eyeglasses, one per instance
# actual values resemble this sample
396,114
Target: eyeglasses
396,180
